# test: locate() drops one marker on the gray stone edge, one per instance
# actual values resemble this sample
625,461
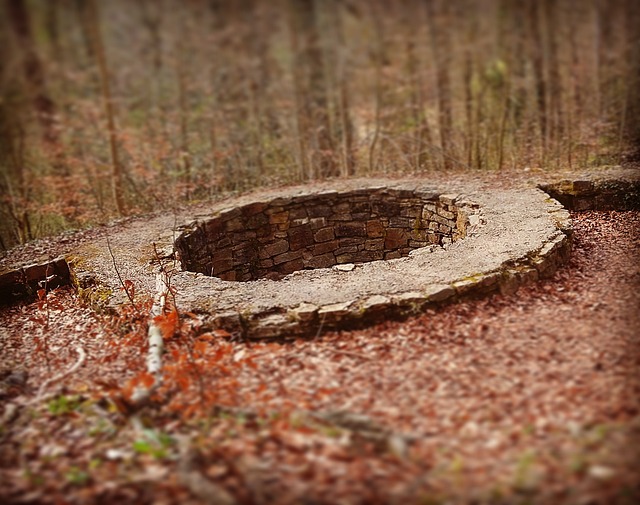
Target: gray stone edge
593,193
308,320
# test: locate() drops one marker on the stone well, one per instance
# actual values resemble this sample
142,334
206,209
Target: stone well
271,239
299,261
350,253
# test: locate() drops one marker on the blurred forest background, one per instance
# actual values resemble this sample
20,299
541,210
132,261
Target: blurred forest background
110,108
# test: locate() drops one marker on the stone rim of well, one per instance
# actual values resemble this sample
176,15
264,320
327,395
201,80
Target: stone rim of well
517,236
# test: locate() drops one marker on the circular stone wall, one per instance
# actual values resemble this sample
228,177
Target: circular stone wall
406,245
276,238
511,237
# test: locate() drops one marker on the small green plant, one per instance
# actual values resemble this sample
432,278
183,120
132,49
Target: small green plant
33,478
579,464
524,478
154,444
457,465
146,447
332,431
63,405
76,476
597,435
101,426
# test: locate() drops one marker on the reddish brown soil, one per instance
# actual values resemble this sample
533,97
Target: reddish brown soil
530,398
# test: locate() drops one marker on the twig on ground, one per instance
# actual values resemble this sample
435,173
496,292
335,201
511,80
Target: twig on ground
115,266
82,355
199,485
156,340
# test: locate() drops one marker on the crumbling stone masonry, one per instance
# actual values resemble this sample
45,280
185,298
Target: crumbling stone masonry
604,194
26,281
276,238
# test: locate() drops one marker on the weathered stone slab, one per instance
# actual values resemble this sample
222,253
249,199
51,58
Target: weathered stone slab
350,230
439,292
290,266
332,314
300,237
325,247
376,303
288,256
324,234
375,229
305,312
395,238
345,254
26,281
274,249
323,261
279,217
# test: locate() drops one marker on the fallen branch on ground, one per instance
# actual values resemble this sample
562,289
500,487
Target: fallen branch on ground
156,341
82,355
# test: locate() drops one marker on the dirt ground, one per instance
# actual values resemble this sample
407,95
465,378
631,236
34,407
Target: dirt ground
528,398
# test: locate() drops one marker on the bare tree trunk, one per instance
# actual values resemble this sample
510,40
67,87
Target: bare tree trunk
34,73
502,129
438,21
555,84
537,60
378,57
302,113
605,41
343,105
81,8
14,183
503,71
53,32
467,78
575,107
631,129
422,134
184,156
258,77
309,60
151,17
117,174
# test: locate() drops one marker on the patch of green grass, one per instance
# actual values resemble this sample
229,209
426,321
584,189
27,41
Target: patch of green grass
331,431
147,447
63,405
154,443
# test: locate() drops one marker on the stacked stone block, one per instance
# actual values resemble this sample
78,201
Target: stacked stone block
276,238
606,194
26,281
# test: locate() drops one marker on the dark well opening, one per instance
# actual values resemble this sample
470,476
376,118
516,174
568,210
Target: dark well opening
275,238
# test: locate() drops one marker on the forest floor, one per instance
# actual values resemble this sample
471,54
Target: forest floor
527,398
